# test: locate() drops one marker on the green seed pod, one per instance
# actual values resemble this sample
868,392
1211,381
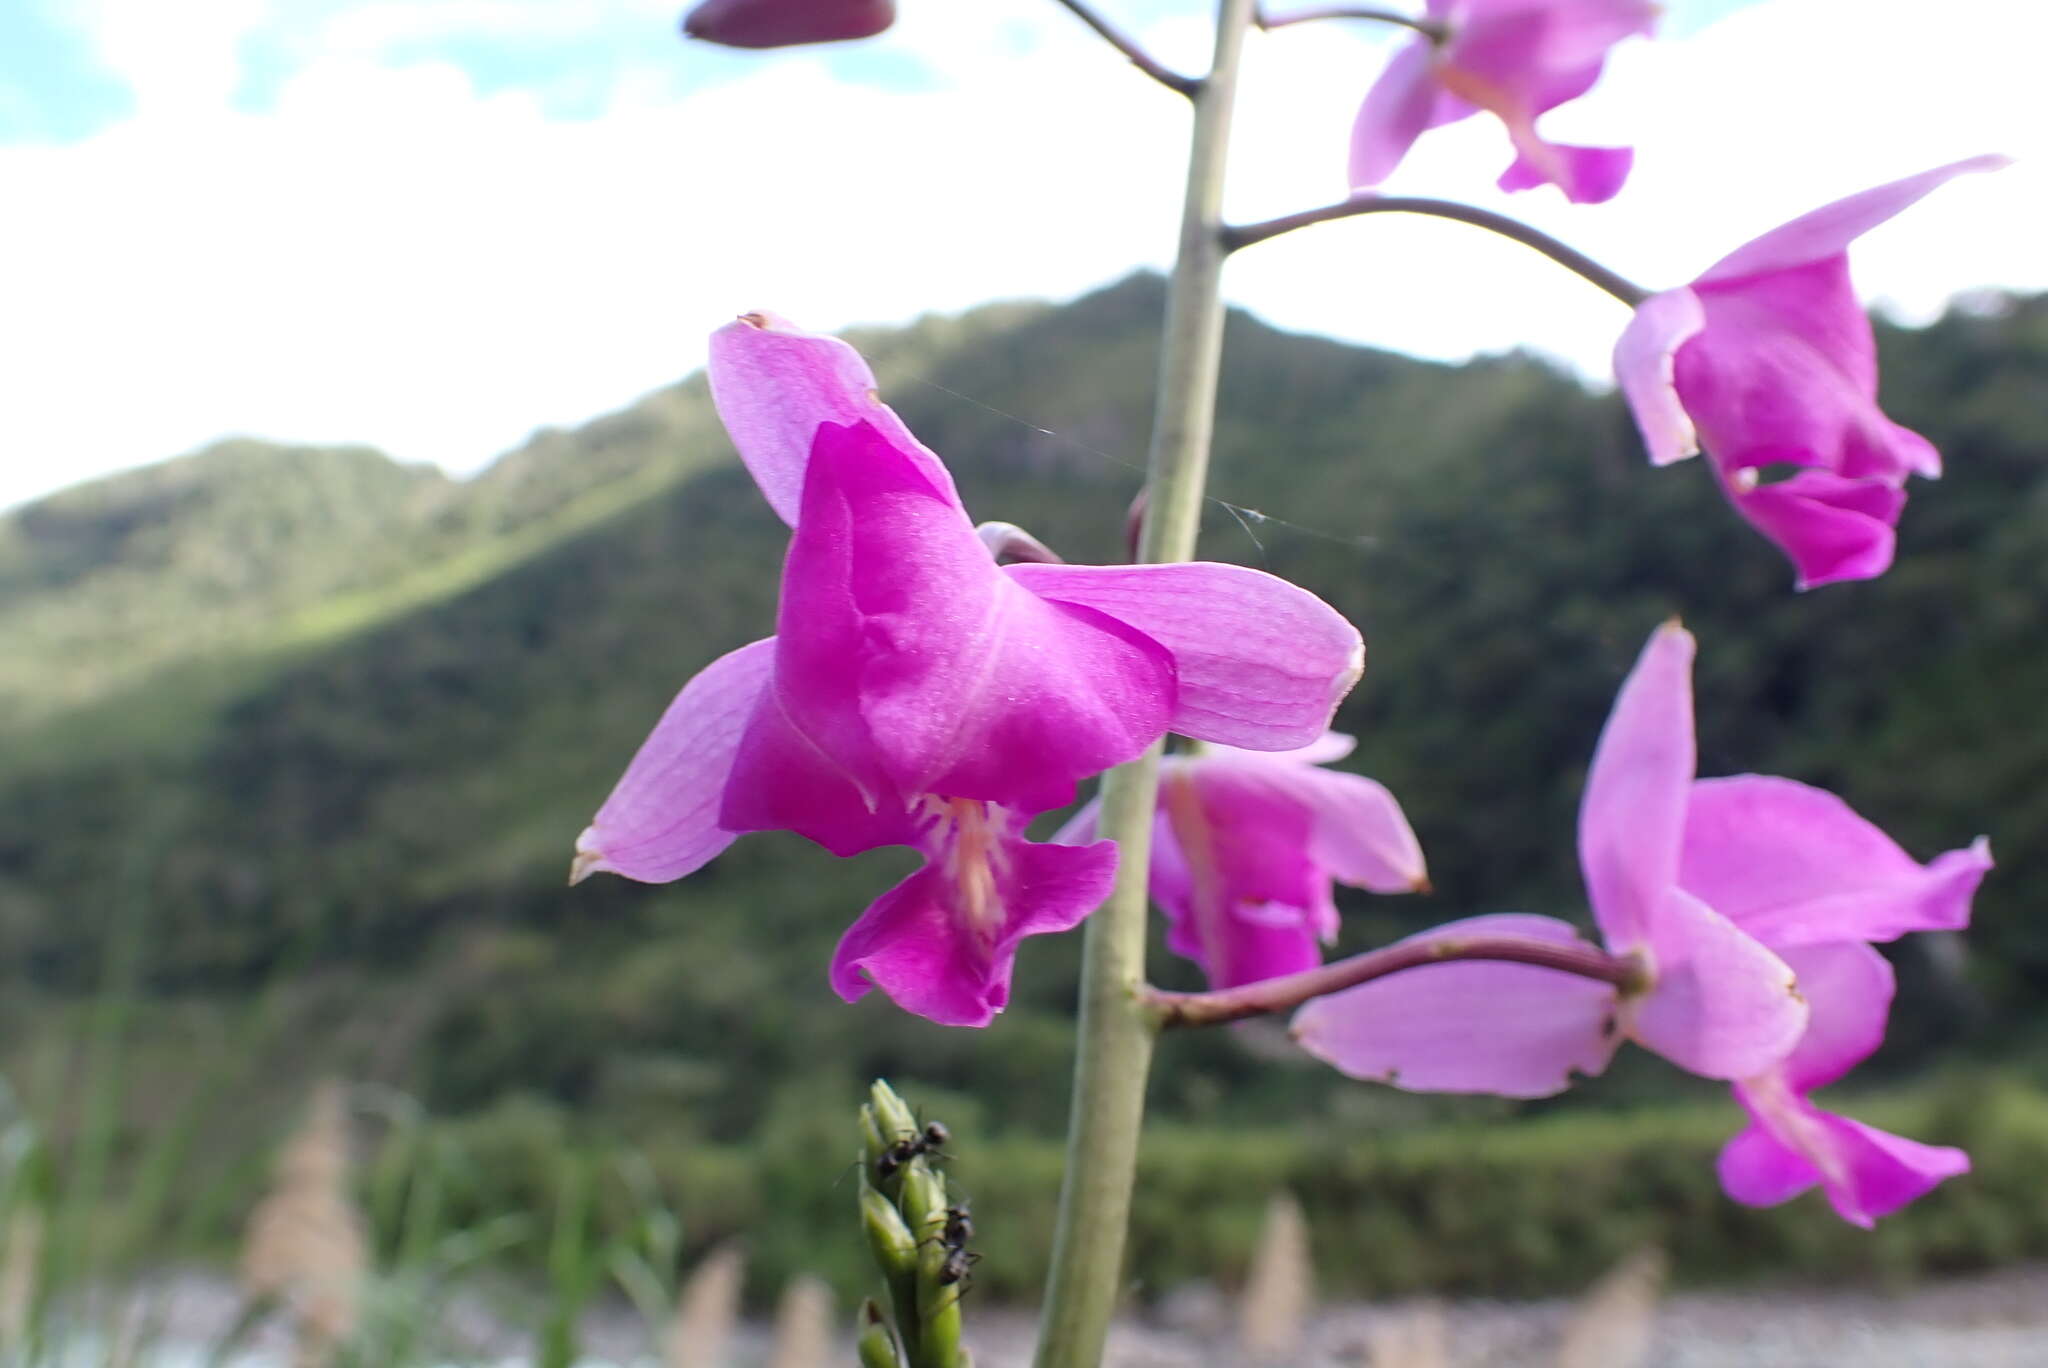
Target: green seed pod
877,1345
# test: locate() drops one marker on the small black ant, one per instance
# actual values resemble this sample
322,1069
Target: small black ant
959,1226
931,1140
958,1265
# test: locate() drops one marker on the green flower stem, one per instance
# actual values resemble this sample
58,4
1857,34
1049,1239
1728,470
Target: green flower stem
1116,1029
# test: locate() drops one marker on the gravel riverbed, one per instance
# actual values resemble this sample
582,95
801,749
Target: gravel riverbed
1995,1320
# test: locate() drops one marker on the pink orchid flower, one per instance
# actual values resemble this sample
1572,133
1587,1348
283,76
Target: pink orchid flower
1728,891
1516,59
1769,362
918,694
784,23
1803,873
1247,845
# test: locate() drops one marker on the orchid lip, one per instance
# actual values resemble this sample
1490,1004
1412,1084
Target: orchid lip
974,859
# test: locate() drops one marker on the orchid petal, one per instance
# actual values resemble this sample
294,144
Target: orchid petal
1632,817
1398,108
1586,175
1866,1172
1757,1169
1795,865
1362,836
919,667
1259,663
1231,869
774,385
1245,837
1469,1026
1643,368
1543,51
1081,828
1722,1005
1831,228
783,781
921,944
1521,59
1350,827
1785,372
1326,749
1848,991
662,818
1234,947
1832,528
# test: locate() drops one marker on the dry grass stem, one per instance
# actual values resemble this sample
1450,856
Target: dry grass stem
803,1325
1280,1290
706,1311
305,1244
1612,1324
24,1250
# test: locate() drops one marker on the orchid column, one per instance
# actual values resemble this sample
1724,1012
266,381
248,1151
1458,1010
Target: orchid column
1116,1028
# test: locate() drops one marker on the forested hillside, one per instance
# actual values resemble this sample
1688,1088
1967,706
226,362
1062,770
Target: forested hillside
308,722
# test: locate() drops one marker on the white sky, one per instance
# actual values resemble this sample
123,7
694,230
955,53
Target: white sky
381,253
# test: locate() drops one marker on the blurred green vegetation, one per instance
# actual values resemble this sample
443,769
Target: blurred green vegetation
363,710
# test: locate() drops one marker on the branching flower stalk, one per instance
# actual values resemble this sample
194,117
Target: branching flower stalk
1288,991
1117,1029
1623,289
1369,13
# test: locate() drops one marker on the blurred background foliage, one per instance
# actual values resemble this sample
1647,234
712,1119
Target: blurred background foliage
332,724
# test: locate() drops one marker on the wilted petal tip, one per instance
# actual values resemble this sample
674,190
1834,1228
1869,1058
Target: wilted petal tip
586,863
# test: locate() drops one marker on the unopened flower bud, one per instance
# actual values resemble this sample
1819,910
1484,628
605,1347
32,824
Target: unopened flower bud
873,1143
877,1345
888,1236
784,23
891,1115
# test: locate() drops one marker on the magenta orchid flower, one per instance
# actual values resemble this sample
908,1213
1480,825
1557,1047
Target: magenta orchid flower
1247,845
784,23
1769,363
1807,876
918,694
1713,1000
1728,891
1516,59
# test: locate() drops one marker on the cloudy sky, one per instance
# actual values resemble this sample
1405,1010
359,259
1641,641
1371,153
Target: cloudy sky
435,225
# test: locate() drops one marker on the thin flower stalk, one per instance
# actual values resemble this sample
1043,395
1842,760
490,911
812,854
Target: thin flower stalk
1114,1052
1288,991
1627,291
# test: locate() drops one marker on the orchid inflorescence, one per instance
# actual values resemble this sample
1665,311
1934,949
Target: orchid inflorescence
920,692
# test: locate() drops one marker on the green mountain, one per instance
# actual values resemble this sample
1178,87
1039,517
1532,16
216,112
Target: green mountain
310,722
